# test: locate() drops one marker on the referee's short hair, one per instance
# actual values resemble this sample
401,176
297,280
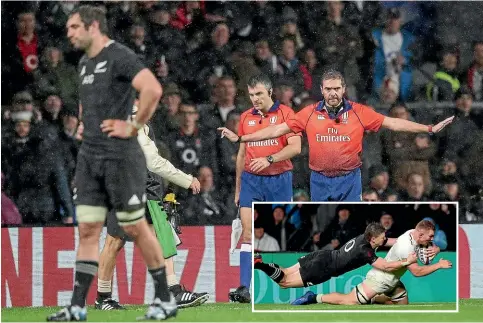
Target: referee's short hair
89,14
332,74
373,230
260,79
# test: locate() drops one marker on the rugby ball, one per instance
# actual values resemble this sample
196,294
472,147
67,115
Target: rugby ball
422,253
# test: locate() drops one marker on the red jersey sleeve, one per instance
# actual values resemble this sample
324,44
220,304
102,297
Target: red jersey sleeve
298,121
241,132
291,115
371,120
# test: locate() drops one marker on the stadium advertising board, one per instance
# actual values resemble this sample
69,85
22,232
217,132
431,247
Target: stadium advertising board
37,266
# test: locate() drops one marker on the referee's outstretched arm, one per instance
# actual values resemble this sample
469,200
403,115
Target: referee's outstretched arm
397,124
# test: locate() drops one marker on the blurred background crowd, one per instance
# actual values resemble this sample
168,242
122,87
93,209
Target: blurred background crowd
415,60
309,227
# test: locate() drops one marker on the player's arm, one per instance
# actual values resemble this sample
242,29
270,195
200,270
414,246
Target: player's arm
161,166
262,134
150,93
420,271
390,242
293,148
240,164
397,124
383,264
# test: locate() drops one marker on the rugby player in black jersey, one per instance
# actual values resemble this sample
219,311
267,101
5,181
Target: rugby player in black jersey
111,169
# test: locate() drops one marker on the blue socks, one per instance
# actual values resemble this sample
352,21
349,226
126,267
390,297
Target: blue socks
246,264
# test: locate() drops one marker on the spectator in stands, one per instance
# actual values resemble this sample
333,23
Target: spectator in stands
139,44
216,116
340,230
266,61
284,92
214,55
244,67
471,167
312,72
445,81
340,47
264,17
69,143
10,214
370,195
407,152
165,38
289,65
415,189
474,74
263,241
166,118
379,180
189,147
51,110
387,221
365,15
22,103
392,56
290,29
391,196
208,207
187,12
450,190
464,129
226,156
163,72
281,229
20,54
38,183
56,76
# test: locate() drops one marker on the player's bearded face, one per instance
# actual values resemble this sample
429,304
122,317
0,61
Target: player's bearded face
333,91
79,36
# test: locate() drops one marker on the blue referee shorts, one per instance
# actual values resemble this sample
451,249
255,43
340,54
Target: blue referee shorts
276,188
341,188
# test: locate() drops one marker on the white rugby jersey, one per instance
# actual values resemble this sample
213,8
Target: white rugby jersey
404,246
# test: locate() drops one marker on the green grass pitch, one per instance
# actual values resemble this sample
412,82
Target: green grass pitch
469,310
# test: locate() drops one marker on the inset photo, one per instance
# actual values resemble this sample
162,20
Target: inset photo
360,257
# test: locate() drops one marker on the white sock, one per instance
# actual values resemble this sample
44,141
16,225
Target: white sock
172,280
103,286
319,298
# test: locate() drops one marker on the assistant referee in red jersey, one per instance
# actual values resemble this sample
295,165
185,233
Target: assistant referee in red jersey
335,128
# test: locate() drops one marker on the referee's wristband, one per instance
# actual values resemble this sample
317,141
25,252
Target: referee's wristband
430,129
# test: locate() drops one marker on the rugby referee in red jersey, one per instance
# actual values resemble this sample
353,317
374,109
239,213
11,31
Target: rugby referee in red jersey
335,128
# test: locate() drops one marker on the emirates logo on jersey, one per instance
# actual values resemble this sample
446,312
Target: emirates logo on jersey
273,119
263,143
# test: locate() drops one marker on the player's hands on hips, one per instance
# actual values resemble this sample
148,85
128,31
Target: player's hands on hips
442,124
230,135
259,164
118,128
412,258
195,186
445,263
432,251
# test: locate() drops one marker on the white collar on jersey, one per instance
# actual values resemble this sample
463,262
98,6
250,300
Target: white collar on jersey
109,43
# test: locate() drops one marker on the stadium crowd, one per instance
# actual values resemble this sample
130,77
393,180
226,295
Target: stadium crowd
309,227
412,60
